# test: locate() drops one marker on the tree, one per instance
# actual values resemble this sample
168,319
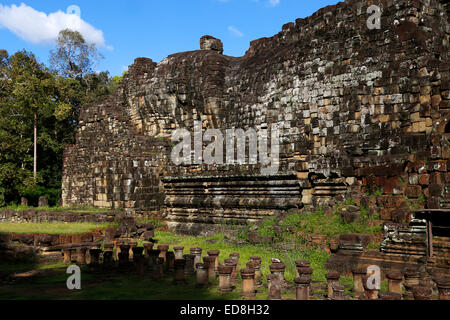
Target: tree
74,57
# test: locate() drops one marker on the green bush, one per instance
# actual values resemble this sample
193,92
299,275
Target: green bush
34,192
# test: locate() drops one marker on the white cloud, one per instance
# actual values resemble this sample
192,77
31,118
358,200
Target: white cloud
274,3
38,27
235,31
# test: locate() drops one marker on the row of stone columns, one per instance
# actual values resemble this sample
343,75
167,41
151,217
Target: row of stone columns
416,286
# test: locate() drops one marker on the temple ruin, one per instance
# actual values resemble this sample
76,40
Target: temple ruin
357,109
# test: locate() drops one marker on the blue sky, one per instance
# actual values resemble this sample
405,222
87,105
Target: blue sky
124,30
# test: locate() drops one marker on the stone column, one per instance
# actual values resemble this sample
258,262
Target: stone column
67,256
332,278
197,252
302,288
133,244
158,269
138,259
422,293
248,283
202,275
81,256
209,261
232,263
125,251
153,256
358,287
370,293
178,276
443,284
225,279
189,268
307,273
148,247
235,256
338,292
390,296
95,256
108,259
215,254
137,252
301,264
163,248
178,252
412,279
277,269
170,262
256,265
395,282
124,260
274,287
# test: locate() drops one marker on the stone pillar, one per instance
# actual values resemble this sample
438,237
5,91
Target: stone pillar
24,202
170,262
395,282
202,275
332,278
302,288
225,279
248,283
189,268
305,272
209,261
232,263
215,254
412,279
163,248
125,251
153,256
338,292
178,276
256,265
108,259
158,268
132,244
370,293
235,256
277,269
390,296
274,287
301,264
81,256
197,252
138,259
443,284
137,252
178,252
148,247
358,287
67,256
422,293
95,256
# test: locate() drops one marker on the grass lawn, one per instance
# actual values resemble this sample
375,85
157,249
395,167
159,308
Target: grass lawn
60,209
50,228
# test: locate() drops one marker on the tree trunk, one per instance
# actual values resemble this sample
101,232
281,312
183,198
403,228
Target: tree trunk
35,146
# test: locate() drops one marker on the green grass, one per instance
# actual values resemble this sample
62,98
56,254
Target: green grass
58,209
266,252
50,228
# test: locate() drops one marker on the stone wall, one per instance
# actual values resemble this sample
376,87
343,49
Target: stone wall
357,109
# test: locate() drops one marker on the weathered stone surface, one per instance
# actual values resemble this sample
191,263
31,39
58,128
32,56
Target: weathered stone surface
354,107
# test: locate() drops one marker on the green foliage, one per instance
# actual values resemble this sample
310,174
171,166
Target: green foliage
33,193
74,57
